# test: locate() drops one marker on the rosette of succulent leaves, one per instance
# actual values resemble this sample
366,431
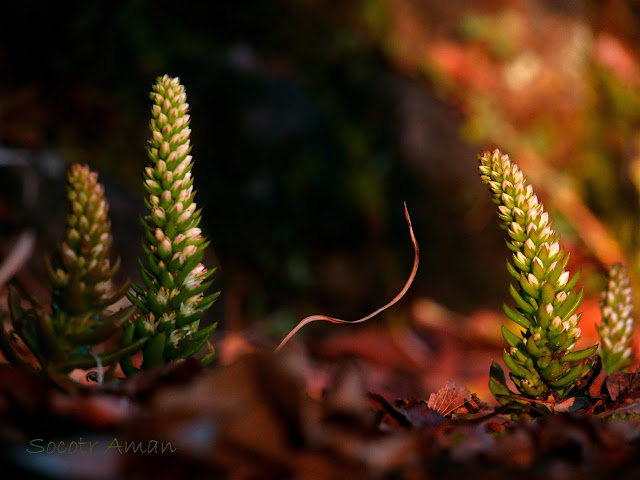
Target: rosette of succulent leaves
540,354
173,298
616,328
81,276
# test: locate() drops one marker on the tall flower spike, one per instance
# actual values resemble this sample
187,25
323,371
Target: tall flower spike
175,280
617,321
541,357
81,272
81,277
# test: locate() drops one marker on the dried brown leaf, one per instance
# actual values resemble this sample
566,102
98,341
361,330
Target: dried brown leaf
450,398
420,414
632,408
595,389
618,383
390,417
570,405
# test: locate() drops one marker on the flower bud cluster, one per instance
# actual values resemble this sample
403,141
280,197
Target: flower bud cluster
81,275
81,272
543,290
175,279
617,320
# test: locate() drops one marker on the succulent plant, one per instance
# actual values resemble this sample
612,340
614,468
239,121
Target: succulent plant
617,320
81,277
541,355
81,272
173,299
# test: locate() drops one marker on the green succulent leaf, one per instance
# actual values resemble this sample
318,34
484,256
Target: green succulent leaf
498,383
579,355
88,361
7,348
103,330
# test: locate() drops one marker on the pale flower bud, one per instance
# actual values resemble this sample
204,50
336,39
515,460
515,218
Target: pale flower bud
564,278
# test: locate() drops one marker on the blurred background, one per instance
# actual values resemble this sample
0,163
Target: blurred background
312,122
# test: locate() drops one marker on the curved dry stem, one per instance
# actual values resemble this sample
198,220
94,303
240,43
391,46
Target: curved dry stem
316,318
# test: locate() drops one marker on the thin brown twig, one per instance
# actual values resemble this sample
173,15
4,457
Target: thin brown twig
18,256
315,318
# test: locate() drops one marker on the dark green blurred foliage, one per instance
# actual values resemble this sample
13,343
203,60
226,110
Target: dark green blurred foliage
303,149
